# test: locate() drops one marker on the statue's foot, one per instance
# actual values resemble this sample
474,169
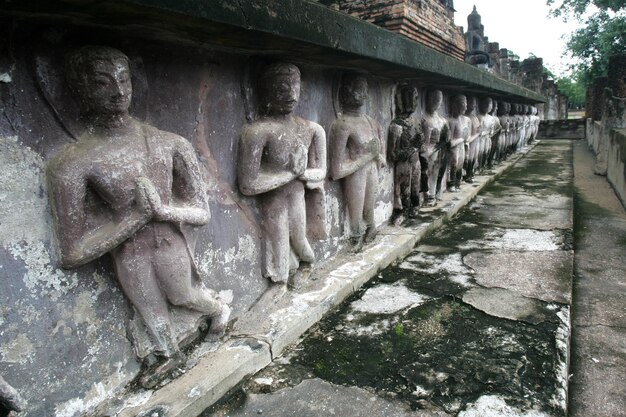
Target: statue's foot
300,276
469,180
356,243
370,234
431,201
219,321
414,212
154,376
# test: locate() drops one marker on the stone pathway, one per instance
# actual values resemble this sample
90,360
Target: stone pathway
598,381
474,322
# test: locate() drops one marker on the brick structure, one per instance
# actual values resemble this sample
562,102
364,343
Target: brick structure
598,86
429,22
616,75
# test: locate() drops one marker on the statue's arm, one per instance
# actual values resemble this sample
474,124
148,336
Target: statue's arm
79,245
316,166
252,176
382,150
190,205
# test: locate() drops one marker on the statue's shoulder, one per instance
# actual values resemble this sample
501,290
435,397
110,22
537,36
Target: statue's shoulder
71,158
164,138
308,124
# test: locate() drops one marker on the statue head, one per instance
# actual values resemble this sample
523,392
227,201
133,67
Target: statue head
486,105
279,86
433,101
513,109
99,77
458,105
353,93
406,100
471,105
494,109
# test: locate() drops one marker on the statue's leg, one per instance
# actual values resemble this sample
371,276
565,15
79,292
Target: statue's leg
354,193
402,185
433,175
275,229
297,222
416,179
172,265
134,266
369,199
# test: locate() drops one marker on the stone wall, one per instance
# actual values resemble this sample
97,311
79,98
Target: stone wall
607,96
69,338
616,171
562,129
428,22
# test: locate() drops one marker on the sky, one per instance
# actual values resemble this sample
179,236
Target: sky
522,26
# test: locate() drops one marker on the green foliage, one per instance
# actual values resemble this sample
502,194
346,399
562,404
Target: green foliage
602,34
573,89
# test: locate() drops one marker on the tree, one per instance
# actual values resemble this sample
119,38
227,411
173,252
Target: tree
574,91
603,33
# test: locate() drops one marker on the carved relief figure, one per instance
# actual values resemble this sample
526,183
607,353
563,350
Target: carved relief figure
505,123
487,127
356,151
436,138
472,154
460,127
281,156
405,141
494,153
135,192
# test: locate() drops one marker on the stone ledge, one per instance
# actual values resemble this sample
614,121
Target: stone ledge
289,314
297,28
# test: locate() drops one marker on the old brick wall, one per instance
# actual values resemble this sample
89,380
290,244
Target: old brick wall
428,22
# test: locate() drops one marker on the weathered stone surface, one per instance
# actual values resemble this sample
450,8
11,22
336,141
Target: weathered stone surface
598,361
616,164
545,275
508,304
598,364
318,398
206,382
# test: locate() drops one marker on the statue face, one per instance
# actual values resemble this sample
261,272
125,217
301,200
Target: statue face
435,98
459,105
107,87
409,98
471,104
486,105
354,91
282,93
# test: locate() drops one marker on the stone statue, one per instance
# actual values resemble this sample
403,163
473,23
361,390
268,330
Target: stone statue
472,151
436,139
356,152
135,192
460,128
494,153
281,157
487,128
405,141
505,123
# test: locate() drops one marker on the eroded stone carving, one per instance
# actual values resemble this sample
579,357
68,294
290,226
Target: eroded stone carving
356,153
474,143
487,130
505,137
282,157
135,192
496,138
405,142
460,128
436,138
